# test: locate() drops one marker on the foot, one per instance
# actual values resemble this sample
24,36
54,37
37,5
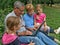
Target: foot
57,31
56,40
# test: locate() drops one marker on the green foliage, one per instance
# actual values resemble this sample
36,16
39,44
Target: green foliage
56,1
3,13
9,3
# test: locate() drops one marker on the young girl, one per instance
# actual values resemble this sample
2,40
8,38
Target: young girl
10,37
39,17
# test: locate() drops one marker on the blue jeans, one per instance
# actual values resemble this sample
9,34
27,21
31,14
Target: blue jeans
28,39
40,39
45,39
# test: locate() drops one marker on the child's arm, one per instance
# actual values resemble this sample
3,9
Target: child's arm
25,33
31,29
35,24
34,21
45,20
45,24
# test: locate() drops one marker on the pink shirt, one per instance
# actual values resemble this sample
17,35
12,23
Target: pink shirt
41,18
8,38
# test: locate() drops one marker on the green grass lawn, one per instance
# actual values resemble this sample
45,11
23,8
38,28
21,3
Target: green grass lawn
53,19
53,16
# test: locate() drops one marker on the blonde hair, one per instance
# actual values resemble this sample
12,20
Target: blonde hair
11,22
29,7
41,10
38,5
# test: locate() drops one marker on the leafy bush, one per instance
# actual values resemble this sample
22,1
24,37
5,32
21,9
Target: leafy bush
9,3
3,13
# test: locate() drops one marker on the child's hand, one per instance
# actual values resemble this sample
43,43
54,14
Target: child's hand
37,18
36,26
31,43
35,29
45,28
29,33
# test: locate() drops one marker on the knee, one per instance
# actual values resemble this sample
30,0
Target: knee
36,38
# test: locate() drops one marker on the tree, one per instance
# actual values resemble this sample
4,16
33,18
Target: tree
29,1
51,3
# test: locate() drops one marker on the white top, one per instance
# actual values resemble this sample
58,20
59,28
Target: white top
22,22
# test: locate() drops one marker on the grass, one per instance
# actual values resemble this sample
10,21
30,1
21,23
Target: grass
53,19
53,16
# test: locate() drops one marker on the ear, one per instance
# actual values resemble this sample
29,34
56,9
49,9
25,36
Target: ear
15,10
14,7
12,28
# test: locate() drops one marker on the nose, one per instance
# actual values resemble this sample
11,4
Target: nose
37,11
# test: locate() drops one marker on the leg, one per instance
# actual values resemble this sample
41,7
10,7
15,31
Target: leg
28,39
49,30
46,39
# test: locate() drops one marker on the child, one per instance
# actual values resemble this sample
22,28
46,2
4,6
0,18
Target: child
10,37
30,12
39,17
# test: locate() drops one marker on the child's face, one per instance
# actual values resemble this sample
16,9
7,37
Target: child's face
31,11
17,27
38,10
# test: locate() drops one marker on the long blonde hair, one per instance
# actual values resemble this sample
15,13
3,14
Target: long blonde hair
11,22
38,6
